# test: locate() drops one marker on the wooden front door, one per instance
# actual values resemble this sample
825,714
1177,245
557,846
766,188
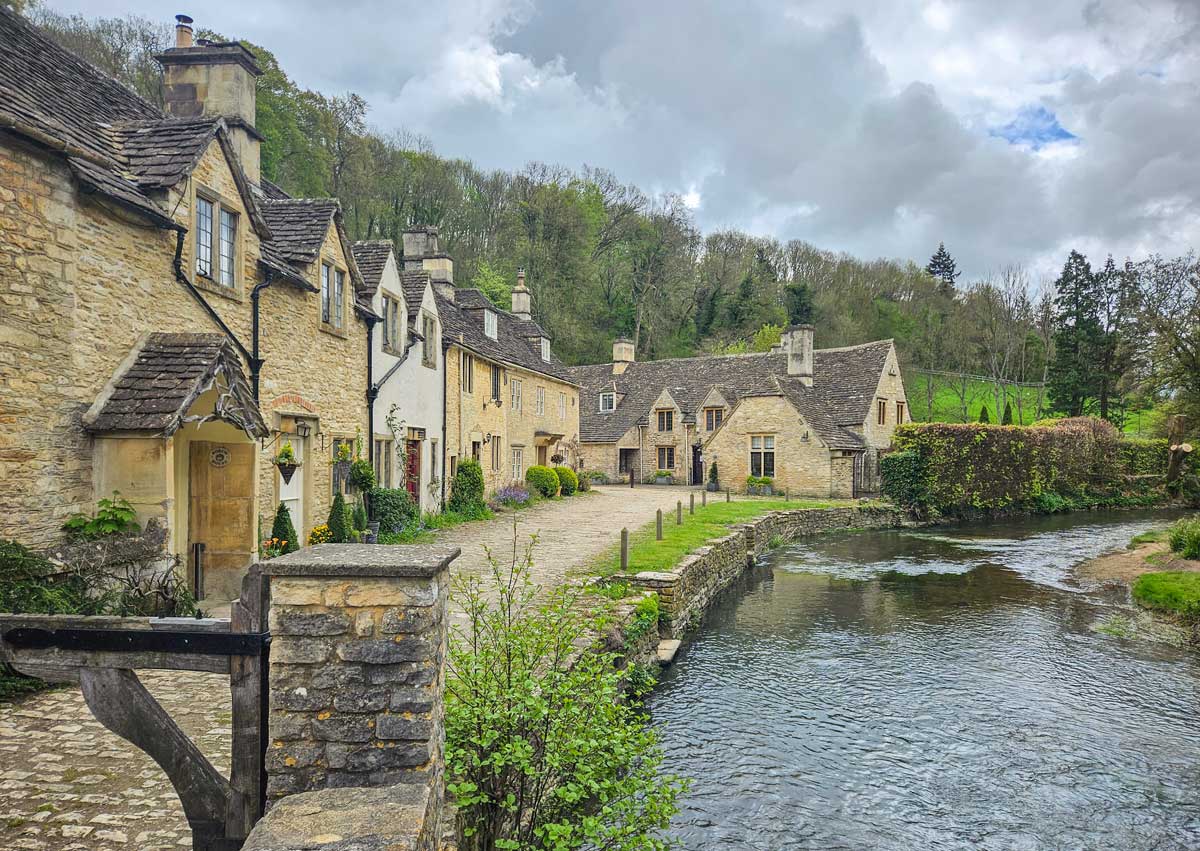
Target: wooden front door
412,469
220,517
697,466
541,450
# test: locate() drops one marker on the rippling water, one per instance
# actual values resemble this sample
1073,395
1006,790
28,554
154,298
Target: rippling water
932,690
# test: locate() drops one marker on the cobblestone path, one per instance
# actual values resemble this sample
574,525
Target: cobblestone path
68,784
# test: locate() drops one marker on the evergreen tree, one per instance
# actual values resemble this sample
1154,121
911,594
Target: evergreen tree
984,416
1116,294
283,529
338,522
799,301
1074,377
1008,414
942,266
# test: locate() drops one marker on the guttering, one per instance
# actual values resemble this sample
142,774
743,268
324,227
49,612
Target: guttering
445,452
182,277
372,388
256,362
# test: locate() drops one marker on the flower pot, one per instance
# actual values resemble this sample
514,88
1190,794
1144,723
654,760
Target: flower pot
287,469
767,490
662,480
712,487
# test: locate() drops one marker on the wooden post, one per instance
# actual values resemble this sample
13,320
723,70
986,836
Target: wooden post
631,477
704,497
692,502
248,681
727,496
679,512
787,494
624,550
658,526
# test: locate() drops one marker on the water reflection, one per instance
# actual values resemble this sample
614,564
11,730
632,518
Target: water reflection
932,690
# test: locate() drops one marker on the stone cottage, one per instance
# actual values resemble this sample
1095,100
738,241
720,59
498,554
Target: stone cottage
408,373
168,319
812,421
510,402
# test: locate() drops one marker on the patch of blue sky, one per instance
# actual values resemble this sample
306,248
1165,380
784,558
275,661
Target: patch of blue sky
1035,127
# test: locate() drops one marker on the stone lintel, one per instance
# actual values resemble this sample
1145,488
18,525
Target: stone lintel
340,560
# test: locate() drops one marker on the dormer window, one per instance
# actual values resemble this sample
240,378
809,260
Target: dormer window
216,242
545,350
608,402
489,324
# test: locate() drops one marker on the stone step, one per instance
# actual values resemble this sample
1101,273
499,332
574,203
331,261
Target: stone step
667,648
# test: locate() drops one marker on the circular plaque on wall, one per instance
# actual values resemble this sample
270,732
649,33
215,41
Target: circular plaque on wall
219,457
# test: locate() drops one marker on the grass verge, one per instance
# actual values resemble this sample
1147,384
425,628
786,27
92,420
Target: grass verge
709,522
1173,592
1154,536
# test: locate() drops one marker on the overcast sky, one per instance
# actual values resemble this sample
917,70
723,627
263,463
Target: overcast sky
1013,130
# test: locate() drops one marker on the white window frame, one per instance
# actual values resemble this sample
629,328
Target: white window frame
610,399
392,335
429,347
545,350
515,386
562,406
467,373
490,325
540,401
762,445
518,463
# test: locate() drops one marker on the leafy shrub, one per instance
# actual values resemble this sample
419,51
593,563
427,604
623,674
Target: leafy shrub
903,479
30,582
466,490
283,530
1049,502
113,516
585,484
542,480
541,751
393,509
362,475
1173,592
320,535
512,495
568,482
339,521
598,477
645,619
1184,537
759,481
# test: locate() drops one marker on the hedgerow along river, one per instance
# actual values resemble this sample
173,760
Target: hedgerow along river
933,689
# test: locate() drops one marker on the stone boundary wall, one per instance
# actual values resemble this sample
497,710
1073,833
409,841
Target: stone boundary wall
358,653
685,592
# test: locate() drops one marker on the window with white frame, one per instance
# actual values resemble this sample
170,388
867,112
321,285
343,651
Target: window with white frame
518,463
489,324
383,462
562,406
391,323
204,236
339,298
468,373
326,297
515,386
540,401
762,455
545,350
608,402
430,346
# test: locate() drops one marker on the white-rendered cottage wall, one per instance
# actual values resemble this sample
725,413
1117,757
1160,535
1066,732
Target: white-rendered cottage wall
415,390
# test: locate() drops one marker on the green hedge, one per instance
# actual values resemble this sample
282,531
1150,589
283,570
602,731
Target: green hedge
393,509
568,482
466,489
952,468
543,480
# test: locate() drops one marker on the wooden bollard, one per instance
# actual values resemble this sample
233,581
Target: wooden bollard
728,498
624,550
692,502
658,526
679,512
787,494
704,497
631,478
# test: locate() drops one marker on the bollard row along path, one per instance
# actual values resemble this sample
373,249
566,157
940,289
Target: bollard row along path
68,784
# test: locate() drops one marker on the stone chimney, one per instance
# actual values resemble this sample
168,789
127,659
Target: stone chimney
520,298
214,79
797,342
421,251
623,354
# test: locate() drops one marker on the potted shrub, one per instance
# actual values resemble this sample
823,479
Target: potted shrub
712,478
362,475
662,477
557,458
286,461
760,485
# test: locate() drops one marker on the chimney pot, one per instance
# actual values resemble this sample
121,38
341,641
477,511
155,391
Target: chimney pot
183,31
522,303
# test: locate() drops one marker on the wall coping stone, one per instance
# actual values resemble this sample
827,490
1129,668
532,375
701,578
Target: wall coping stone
387,818
382,560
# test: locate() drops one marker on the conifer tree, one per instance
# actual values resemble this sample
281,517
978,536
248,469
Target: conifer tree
1074,375
339,526
798,298
984,416
942,266
1007,419
284,530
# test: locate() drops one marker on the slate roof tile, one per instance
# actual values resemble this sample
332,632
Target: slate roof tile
371,257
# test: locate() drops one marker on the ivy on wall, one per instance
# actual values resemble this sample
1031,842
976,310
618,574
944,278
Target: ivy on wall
950,468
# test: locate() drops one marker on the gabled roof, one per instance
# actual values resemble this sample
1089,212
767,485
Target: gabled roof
462,324
414,282
299,225
164,375
371,257
844,383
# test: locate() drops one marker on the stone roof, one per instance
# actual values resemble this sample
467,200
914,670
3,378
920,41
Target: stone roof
298,225
844,383
462,324
164,375
371,257
414,282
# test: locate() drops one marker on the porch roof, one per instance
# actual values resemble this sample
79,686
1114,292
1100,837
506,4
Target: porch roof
163,376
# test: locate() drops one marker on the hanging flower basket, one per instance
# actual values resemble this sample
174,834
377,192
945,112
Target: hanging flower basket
287,469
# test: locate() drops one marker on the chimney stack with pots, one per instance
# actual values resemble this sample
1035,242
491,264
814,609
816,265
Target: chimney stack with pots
623,355
421,252
214,79
521,302
797,342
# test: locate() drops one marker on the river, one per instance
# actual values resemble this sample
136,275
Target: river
932,689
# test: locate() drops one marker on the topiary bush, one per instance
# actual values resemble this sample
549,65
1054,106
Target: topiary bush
466,490
394,509
339,521
284,530
568,482
543,480
358,516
